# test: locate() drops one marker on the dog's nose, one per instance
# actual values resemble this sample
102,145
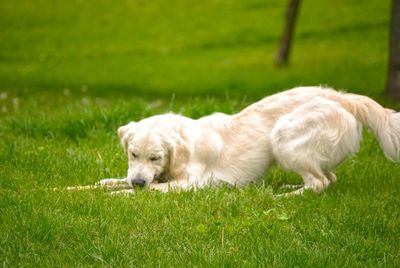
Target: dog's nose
138,182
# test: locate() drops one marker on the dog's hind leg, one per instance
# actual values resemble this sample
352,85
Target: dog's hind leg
315,181
314,139
331,176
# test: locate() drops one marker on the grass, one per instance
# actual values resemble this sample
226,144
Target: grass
71,72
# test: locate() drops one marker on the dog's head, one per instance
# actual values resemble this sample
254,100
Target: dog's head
157,149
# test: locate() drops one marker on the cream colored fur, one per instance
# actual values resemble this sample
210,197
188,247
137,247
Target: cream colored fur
309,130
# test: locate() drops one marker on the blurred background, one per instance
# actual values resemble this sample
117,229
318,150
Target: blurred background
175,49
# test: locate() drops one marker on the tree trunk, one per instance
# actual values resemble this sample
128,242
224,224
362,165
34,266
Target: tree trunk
393,82
282,58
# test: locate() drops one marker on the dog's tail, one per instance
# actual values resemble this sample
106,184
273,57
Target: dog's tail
384,123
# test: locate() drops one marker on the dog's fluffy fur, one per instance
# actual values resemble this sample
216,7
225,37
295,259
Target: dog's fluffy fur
309,130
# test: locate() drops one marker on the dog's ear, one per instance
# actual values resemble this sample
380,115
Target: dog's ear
125,133
179,154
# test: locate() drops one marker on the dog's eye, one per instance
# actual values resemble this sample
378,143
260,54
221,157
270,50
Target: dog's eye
154,158
134,155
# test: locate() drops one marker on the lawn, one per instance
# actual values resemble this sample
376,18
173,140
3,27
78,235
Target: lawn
71,72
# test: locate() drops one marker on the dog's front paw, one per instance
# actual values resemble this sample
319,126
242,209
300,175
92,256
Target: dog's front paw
110,182
105,182
123,192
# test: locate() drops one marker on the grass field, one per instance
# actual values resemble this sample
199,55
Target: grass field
71,72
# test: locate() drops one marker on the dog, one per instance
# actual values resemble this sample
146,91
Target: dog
308,130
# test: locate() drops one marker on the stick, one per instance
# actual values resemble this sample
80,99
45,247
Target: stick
92,187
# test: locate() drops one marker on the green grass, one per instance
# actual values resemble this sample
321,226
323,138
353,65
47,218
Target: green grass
71,72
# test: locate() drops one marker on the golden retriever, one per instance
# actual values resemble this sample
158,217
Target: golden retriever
309,130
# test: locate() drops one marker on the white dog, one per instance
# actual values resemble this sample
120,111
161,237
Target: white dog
309,130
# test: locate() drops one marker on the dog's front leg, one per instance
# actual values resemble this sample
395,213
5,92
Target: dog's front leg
117,184
123,192
172,186
109,183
